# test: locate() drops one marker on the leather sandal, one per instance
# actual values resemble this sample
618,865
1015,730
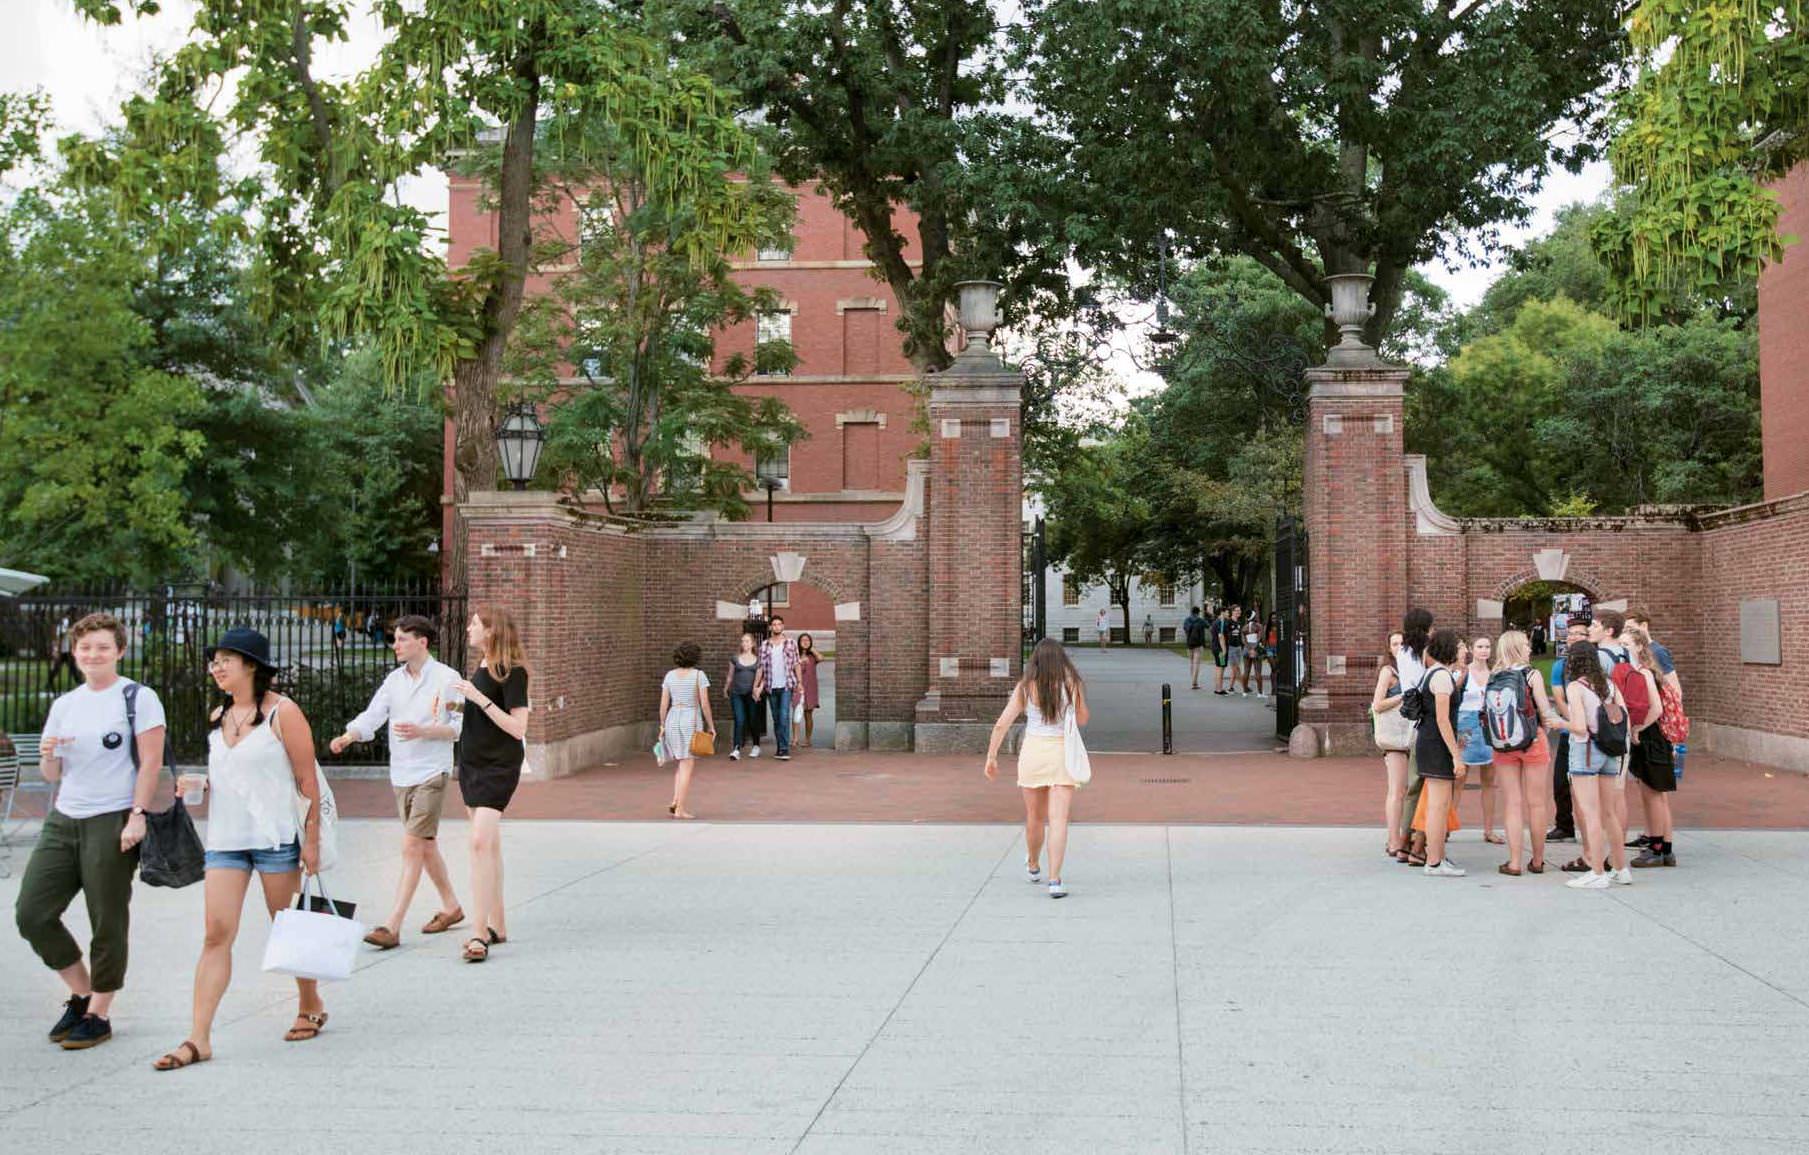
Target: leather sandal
476,950
494,938
175,1061
1535,868
444,920
1510,871
307,1026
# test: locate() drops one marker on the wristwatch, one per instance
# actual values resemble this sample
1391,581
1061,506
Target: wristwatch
138,810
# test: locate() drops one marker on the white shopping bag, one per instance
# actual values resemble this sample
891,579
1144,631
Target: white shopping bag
1074,751
313,944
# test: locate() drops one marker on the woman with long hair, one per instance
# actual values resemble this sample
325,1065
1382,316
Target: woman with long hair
1049,694
260,755
744,708
807,675
490,756
1650,759
1387,700
1479,757
1410,667
1524,775
684,712
1437,750
1593,773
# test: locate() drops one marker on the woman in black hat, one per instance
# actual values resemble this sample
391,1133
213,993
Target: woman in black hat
260,755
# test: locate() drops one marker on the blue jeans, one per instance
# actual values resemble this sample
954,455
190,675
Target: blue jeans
747,713
779,701
281,860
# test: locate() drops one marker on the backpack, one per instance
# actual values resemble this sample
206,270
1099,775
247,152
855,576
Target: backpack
1673,723
1628,679
1414,700
1196,632
1611,724
1508,714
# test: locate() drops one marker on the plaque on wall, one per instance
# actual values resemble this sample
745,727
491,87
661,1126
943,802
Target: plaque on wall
1760,643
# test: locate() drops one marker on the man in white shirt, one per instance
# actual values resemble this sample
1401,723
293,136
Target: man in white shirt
425,716
778,681
103,746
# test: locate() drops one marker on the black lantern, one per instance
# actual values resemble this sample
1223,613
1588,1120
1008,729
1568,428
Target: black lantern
1162,335
519,442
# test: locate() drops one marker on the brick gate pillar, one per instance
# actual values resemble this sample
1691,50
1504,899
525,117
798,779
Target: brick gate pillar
1355,506
975,518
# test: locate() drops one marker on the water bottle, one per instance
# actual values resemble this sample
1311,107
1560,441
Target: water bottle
1677,753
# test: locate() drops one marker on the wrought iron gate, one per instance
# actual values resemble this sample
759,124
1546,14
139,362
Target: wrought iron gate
1292,659
1034,592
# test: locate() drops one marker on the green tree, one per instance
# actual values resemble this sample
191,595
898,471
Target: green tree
1332,136
1719,109
337,244
1100,518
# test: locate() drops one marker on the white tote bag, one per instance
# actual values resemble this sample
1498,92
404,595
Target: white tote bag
329,819
1074,751
312,944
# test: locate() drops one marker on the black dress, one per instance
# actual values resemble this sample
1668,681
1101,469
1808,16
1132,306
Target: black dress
1430,754
489,756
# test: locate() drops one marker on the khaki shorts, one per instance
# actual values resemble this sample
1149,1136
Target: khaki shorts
420,806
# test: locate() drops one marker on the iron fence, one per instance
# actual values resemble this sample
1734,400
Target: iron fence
333,648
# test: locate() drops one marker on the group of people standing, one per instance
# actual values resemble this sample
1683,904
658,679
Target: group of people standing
103,749
1445,709
1242,646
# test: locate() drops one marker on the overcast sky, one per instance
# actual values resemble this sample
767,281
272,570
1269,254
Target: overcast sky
88,70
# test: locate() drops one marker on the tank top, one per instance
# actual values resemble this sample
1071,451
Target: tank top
741,680
1473,689
250,790
1039,725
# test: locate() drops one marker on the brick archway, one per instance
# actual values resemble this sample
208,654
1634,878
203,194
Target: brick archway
1573,576
753,581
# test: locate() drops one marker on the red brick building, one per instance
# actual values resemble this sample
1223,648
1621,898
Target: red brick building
850,385
1784,348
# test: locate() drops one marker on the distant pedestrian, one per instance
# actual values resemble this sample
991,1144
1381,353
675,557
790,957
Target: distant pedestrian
1563,825
778,684
1650,759
744,708
1050,695
1410,666
1271,644
1437,749
63,647
425,716
1254,652
1478,757
1219,635
491,750
1522,772
684,713
339,632
260,755
1394,736
1103,627
1193,629
808,659
104,767
1234,649
1592,701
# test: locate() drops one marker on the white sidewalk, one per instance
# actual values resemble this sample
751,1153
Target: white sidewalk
679,988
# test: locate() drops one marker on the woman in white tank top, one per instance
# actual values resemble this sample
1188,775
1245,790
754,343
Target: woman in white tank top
260,757
1050,696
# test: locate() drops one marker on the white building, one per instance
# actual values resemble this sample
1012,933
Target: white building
1073,610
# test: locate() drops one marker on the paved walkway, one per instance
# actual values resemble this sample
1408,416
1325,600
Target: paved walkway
1124,691
710,988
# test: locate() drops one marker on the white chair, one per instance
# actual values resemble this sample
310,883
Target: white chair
13,768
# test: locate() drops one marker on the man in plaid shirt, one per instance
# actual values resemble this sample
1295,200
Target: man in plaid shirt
778,680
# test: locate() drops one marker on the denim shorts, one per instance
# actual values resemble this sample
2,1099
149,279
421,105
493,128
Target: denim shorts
1587,759
1477,751
264,860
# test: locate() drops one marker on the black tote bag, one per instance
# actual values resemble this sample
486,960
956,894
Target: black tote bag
171,853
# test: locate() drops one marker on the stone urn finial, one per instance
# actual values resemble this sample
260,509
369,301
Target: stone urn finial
979,310
1350,310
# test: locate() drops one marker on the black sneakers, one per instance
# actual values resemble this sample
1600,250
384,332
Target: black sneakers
1642,840
74,1011
1557,835
92,1031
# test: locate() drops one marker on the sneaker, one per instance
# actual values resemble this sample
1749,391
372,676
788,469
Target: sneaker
1589,881
734,755
1557,835
1033,874
1670,858
1652,858
1621,877
782,757
754,753
74,1011
1221,693
1445,869
92,1031
1056,889
1639,842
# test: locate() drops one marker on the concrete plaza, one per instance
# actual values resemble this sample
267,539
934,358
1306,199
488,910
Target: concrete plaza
751,988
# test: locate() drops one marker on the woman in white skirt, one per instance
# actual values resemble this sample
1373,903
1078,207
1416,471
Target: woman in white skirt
1050,692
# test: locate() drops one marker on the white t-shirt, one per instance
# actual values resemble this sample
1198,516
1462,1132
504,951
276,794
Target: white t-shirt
93,744
775,668
1412,670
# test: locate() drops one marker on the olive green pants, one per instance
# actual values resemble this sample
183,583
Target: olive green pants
79,856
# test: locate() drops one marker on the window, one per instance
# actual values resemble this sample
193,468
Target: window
1070,591
778,250
781,592
1166,634
776,464
770,328
1165,593
1070,634
595,222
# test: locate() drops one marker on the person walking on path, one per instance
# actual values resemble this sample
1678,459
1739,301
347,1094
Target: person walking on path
684,713
63,645
808,660
1479,757
1386,700
744,707
1522,773
1103,627
1591,699
103,752
1437,750
490,756
1650,759
1564,823
779,679
1193,628
1219,635
425,716
1410,667
1049,696
260,755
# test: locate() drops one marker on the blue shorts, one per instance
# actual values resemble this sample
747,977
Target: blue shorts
1477,751
1587,760
282,860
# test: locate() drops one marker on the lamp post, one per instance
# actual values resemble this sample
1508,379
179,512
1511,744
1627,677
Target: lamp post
1163,334
519,442
770,484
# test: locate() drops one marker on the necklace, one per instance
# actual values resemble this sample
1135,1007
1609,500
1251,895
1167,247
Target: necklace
237,720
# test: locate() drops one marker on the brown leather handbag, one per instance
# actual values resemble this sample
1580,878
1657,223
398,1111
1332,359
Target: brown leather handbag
703,742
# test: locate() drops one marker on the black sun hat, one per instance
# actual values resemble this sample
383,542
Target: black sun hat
247,643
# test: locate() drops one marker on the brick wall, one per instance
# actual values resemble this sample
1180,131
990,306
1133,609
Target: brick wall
1784,348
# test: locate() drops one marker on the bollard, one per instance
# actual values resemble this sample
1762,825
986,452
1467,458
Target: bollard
1168,719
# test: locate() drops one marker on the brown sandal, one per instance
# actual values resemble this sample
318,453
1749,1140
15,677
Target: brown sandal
495,939
444,920
174,1060
1535,868
1510,871
476,950
307,1026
